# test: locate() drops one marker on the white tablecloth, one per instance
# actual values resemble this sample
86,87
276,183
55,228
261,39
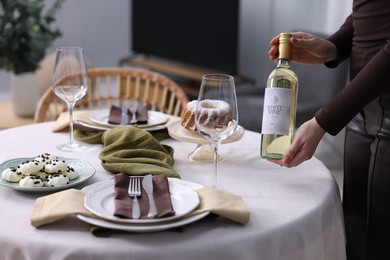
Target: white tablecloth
294,213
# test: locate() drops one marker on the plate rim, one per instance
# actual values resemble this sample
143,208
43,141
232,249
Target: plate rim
107,111
151,227
112,218
16,186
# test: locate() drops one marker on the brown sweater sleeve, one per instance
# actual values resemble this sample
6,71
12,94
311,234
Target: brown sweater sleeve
365,85
343,41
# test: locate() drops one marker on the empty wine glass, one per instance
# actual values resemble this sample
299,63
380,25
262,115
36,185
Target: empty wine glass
70,83
216,116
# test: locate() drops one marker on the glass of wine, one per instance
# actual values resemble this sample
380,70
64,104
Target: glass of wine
70,83
216,116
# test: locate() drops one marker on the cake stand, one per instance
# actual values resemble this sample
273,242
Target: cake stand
203,151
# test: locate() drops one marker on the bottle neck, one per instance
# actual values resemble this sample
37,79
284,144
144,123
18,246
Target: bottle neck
283,63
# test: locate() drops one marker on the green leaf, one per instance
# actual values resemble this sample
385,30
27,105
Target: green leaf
25,33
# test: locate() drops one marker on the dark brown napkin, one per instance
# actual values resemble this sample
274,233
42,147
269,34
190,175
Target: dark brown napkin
115,115
142,115
123,202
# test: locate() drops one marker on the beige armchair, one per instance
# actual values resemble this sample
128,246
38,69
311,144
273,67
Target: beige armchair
111,85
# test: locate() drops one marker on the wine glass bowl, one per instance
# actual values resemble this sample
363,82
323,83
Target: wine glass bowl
211,122
216,116
70,83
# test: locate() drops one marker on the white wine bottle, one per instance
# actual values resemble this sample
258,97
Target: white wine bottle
280,101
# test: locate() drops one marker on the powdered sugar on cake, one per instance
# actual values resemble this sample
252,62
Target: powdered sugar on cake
212,113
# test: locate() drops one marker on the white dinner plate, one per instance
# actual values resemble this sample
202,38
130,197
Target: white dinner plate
91,127
84,169
180,133
100,201
142,228
154,118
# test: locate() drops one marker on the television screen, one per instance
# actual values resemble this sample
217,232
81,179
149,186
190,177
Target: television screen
203,33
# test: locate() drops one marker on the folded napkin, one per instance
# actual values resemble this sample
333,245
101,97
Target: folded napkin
130,150
141,115
161,194
115,115
54,207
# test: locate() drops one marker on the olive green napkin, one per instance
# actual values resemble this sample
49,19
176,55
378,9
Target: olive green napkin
128,149
133,151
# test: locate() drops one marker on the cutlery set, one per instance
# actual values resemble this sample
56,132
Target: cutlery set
123,115
134,192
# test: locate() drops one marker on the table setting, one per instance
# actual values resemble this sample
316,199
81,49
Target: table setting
90,207
284,204
129,150
139,195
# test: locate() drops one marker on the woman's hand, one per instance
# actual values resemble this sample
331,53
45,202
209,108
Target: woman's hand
306,48
304,144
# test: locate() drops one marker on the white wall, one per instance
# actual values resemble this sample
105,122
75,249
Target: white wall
102,28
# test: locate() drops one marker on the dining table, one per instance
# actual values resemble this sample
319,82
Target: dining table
295,213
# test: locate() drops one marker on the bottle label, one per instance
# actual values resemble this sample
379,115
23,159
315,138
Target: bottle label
276,111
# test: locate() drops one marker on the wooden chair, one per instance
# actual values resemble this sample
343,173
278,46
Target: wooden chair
111,86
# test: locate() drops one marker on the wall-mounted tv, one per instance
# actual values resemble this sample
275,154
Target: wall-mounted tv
201,33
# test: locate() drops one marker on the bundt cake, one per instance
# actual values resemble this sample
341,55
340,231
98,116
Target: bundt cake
212,113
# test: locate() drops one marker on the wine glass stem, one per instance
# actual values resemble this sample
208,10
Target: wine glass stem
70,109
215,146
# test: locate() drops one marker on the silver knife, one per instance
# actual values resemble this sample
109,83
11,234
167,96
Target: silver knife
147,183
124,115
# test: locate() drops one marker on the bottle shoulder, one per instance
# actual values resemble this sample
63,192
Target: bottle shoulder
283,71
280,75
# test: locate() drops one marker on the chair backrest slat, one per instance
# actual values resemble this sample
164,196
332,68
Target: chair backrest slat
108,86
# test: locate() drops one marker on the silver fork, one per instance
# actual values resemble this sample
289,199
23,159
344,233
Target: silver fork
134,192
133,110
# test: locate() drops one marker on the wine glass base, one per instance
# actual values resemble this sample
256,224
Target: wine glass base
72,147
203,153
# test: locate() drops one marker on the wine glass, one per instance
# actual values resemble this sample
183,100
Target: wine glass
216,116
70,83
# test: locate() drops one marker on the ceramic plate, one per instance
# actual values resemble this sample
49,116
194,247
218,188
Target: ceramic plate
100,201
180,133
92,127
84,169
142,228
154,118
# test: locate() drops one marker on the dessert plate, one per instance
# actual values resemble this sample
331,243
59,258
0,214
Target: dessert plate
154,118
100,201
84,169
180,133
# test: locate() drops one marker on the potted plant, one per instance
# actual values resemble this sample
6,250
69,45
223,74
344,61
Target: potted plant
25,34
